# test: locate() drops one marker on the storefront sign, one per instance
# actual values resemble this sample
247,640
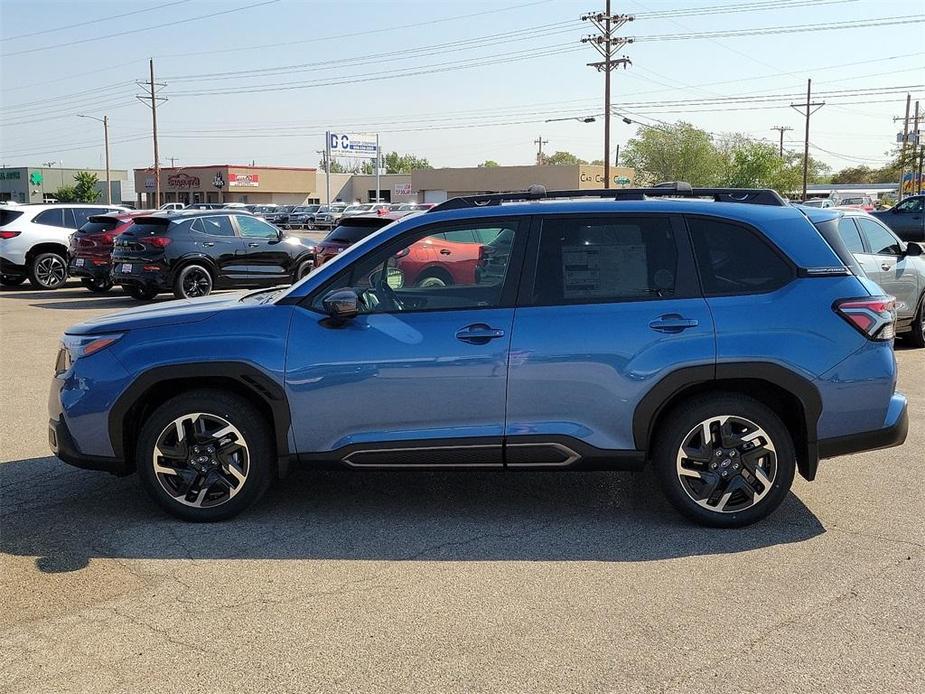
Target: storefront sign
218,181
150,183
182,180
244,180
9,175
402,189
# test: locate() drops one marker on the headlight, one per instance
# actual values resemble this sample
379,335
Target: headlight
73,347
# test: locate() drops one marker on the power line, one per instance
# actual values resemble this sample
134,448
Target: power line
795,28
139,30
732,8
98,20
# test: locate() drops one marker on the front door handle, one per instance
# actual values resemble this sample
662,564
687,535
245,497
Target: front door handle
253,245
886,267
673,323
444,251
478,334
208,244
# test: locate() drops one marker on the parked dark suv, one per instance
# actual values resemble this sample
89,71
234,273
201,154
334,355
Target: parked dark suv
192,253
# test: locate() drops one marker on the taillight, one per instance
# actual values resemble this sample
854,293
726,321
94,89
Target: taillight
403,252
106,238
155,241
9,234
874,316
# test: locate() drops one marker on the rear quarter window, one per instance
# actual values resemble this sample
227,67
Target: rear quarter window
733,259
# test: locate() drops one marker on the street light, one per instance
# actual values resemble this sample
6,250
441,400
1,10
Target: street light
105,121
580,119
630,121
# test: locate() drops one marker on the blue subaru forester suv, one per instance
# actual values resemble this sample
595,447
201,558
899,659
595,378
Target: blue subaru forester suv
714,333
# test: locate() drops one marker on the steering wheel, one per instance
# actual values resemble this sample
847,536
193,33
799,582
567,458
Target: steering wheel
387,296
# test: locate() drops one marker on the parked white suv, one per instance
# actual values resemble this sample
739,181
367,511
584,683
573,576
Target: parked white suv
34,241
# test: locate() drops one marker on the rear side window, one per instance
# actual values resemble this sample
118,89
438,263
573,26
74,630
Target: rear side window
214,226
7,216
880,240
734,260
850,235
605,259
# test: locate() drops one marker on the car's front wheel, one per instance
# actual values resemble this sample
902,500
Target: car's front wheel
205,455
192,282
48,271
725,460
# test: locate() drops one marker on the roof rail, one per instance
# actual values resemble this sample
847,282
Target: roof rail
753,196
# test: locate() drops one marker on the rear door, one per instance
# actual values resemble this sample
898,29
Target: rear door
893,269
215,237
264,255
609,306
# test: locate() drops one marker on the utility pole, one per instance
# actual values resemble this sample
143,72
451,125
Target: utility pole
172,160
151,100
811,107
539,142
902,151
607,44
782,129
616,159
916,144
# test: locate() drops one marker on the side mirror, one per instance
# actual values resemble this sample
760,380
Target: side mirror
894,209
913,249
342,304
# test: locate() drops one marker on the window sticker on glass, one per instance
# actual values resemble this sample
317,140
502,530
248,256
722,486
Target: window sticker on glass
601,271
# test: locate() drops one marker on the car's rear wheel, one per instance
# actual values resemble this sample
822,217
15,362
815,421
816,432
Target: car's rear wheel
192,282
139,293
205,455
434,278
48,271
8,281
725,460
97,286
304,269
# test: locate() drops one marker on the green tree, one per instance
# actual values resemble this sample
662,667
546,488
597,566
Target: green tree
855,174
488,164
85,189
678,152
404,163
562,159
66,194
749,164
336,167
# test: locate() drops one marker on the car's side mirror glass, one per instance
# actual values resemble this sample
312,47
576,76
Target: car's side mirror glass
342,304
913,249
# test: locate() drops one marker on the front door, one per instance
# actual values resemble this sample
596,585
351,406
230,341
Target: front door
418,378
612,308
886,264
264,256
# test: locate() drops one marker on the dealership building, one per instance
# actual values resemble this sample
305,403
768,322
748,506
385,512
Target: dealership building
24,184
223,183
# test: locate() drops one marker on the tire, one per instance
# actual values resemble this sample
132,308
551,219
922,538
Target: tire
192,282
434,278
96,286
48,270
730,469
139,293
303,269
917,337
200,484
7,281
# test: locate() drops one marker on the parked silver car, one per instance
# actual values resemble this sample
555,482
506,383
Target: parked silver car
897,266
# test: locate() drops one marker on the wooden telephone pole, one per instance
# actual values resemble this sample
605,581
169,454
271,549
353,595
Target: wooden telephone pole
150,100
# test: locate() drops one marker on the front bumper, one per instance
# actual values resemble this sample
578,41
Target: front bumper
892,434
62,445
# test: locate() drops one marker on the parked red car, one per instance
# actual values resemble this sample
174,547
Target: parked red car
349,231
442,260
91,248
858,202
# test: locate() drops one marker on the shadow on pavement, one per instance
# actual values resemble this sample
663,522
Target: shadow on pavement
65,517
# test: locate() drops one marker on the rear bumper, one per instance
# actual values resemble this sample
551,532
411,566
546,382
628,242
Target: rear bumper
138,277
892,434
62,445
91,269
10,269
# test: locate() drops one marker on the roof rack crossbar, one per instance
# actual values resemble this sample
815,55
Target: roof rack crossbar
753,196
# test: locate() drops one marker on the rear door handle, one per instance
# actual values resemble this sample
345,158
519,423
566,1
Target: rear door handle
672,323
208,244
444,251
886,267
253,245
478,334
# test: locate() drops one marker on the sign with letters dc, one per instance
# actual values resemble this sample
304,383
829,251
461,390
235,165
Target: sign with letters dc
352,145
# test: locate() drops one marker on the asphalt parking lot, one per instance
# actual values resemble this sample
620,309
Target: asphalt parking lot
446,582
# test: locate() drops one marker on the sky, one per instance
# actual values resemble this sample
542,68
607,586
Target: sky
455,82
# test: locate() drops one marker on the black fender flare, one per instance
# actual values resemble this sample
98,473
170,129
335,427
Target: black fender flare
664,393
250,379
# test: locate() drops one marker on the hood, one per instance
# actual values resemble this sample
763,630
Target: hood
166,313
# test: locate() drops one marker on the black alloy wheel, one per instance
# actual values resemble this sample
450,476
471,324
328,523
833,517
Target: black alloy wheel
192,282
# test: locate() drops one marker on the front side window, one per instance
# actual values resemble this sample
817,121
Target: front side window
600,260
255,229
850,235
911,205
879,238
734,260
53,217
420,272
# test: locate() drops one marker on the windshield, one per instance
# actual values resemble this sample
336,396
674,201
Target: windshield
351,233
814,203
853,201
